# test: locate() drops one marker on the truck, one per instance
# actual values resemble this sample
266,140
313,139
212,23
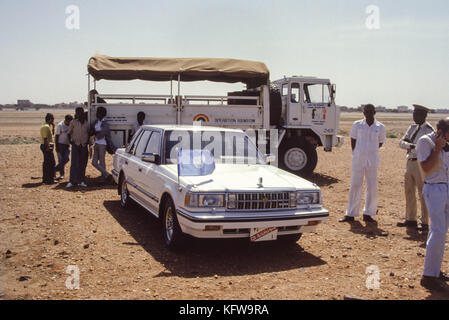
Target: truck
290,117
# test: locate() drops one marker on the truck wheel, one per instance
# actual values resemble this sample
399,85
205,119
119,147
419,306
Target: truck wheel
171,230
298,156
125,200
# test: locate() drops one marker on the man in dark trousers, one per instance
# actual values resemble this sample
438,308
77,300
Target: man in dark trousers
413,177
47,145
62,144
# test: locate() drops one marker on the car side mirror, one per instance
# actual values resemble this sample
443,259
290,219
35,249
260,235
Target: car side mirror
269,158
151,157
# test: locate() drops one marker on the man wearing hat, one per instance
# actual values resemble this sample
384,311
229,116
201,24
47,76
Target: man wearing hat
413,177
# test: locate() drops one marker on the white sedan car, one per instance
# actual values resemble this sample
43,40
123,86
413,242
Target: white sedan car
213,183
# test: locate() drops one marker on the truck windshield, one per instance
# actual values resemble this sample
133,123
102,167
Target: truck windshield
227,147
316,93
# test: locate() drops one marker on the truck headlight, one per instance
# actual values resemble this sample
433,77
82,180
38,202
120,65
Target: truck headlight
308,197
204,200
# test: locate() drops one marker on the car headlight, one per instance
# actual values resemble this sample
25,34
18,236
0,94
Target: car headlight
232,201
204,200
307,197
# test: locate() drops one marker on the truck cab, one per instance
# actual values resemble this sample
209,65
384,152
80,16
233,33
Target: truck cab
309,119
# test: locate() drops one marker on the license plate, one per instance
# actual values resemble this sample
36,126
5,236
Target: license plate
263,234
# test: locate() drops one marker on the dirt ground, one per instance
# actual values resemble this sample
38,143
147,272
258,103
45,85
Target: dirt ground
120,254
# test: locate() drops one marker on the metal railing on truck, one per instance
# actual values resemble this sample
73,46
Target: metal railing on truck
245,111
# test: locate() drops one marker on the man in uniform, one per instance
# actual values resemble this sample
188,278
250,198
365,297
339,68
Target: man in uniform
432,151
367,136
413,177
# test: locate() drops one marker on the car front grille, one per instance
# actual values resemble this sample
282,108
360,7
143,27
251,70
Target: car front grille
260,200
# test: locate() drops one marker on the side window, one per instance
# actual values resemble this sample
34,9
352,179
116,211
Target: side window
132,145
154,144
285,89
142,143
295,93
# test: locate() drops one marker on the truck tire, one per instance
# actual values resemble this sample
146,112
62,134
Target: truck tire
172,233
298,156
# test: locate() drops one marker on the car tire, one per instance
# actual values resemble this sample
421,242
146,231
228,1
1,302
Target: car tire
125,200
298,156
172,233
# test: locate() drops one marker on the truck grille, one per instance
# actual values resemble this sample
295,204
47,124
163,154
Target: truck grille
261,200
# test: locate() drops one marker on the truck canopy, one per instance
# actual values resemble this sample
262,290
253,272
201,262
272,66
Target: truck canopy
252,73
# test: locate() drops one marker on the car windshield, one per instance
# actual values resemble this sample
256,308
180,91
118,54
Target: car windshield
226,146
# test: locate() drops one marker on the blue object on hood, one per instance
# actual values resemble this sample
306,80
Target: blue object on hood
195,162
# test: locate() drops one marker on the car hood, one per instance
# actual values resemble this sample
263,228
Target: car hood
233,177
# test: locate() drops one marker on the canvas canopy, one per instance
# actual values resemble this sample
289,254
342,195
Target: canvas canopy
252,73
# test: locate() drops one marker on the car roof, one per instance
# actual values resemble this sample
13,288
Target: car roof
167,127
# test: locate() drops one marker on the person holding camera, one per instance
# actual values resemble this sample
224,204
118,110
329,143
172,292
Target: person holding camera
47,145
413,178
433,158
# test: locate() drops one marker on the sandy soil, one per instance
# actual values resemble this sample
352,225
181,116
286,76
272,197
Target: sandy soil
120,254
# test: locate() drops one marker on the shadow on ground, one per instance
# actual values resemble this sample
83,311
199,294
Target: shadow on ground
416,235
93,184
209,257
322,180
370,230
32,185
435,295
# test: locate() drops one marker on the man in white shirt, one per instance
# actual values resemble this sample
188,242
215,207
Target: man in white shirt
102,139
367,136
413,178
433,156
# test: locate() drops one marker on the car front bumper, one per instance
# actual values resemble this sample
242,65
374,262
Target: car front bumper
238,225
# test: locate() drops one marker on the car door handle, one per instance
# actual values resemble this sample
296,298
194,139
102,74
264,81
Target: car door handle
140,169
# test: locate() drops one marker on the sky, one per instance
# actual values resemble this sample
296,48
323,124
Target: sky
403,61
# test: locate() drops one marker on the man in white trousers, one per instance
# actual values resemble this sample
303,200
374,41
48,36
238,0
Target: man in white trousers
367,136
433,156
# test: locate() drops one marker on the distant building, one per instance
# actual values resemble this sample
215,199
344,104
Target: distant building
442,111
24,103
381,109
403,109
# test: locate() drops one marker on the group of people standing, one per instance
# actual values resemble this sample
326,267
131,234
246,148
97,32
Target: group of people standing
77,133
427,170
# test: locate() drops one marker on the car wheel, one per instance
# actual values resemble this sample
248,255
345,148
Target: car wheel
125,200
171,230
298,156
